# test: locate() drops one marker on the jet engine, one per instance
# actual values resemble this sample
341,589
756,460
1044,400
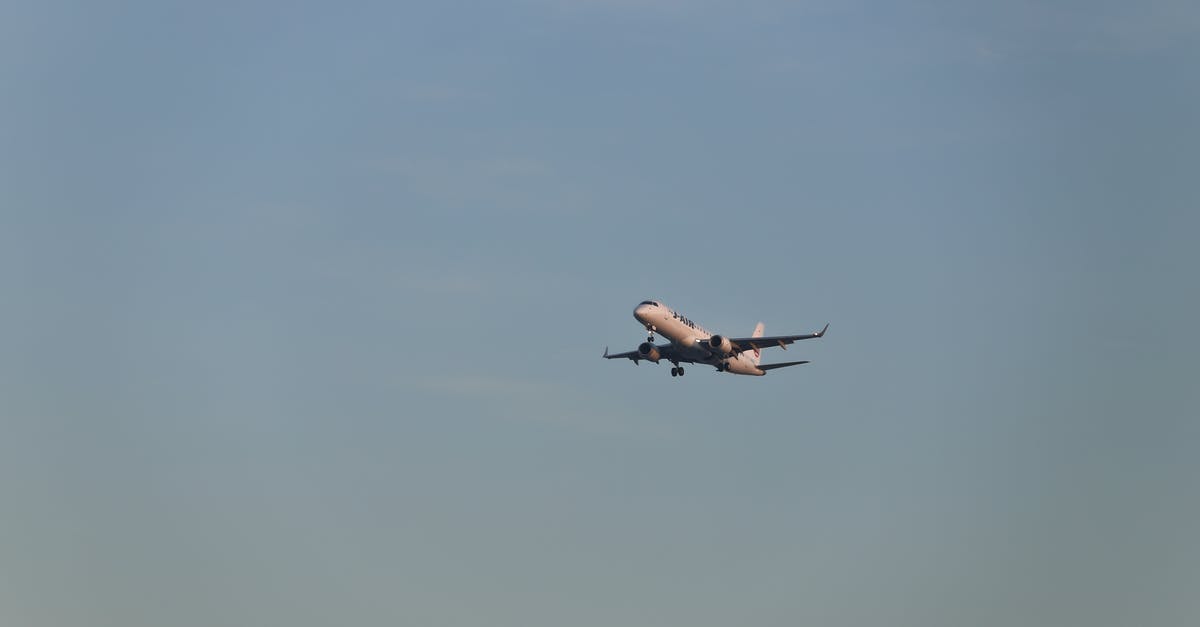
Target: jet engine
649,352
720,345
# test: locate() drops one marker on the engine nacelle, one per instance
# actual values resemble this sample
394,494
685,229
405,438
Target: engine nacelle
720,345
649,352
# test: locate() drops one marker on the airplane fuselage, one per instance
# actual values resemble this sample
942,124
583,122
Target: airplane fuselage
691,339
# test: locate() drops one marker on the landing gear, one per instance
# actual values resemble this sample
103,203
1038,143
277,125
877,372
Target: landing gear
722,366
677,371
650,333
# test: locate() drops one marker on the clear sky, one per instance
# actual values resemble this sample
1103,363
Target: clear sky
303,309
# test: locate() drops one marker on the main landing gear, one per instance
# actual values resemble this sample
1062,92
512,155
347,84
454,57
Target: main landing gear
677,371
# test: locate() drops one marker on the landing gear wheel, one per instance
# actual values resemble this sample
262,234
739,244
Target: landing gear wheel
681,371
674,372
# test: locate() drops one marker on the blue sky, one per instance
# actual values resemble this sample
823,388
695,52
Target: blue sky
304,306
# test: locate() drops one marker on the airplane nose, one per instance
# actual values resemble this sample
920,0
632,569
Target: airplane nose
641,312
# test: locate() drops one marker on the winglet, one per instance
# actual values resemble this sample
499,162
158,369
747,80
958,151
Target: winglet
605,352
822,333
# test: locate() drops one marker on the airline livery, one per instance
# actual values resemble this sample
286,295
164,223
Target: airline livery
693,344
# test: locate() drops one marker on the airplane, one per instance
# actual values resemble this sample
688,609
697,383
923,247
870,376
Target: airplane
693,344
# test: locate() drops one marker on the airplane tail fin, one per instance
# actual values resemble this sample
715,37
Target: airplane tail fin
758,332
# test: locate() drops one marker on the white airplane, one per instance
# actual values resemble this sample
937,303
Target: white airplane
693,344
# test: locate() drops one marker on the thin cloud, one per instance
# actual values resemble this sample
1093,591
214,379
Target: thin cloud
1105,27
490,168
438,94
489,387
508,182
623,5
444,284
1148,26
525,399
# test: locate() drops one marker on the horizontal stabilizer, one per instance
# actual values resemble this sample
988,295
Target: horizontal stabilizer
782,365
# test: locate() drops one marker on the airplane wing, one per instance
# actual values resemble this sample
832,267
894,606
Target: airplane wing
626,355
665,352
782,365
750,343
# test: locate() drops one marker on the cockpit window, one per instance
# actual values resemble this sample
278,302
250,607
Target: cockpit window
648,302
